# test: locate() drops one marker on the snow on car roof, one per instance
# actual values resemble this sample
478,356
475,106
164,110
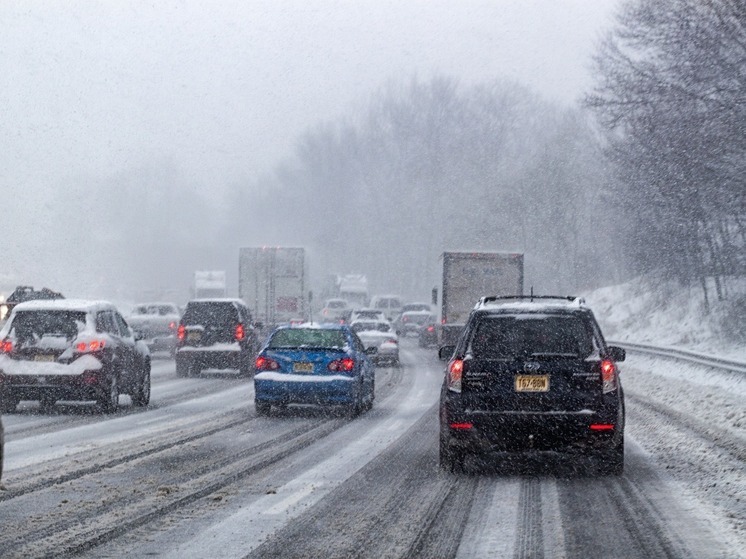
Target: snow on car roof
527,305
217,300
314,326
410,313
80,305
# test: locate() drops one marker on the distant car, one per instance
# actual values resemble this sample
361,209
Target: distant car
428,335
216,334
368,314
416,307
71,350
391,305
322,365
410,322
24,293
532,374
156,323
335,310
378,334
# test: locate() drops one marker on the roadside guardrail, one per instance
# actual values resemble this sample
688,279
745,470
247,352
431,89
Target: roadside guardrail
684,355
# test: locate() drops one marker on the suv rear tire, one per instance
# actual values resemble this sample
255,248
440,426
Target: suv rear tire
141,395
183,368
109,400
611,461
451,460
8,404
262,408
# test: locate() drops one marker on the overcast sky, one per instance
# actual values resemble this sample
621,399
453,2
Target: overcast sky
218,92
222,89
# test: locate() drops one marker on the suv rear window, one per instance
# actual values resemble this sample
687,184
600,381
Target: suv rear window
506,337
308,337
33,325
210,313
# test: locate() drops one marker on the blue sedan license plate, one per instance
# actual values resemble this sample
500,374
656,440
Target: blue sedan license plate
302,367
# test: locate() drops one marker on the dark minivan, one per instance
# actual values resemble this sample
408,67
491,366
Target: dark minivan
532,374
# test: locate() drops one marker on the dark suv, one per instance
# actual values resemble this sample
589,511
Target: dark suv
532,374
216,334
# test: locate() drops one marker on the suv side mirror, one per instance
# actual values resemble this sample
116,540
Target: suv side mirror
445,352
616,353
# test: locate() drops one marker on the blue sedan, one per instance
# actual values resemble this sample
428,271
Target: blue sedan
318,364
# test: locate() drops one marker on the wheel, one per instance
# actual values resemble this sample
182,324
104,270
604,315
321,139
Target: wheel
47,403
109,401
141,396
262,408
246,366
451,460
369,404
8,404
183,369
611,462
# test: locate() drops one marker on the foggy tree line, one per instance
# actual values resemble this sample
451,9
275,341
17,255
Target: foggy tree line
429,166
671,93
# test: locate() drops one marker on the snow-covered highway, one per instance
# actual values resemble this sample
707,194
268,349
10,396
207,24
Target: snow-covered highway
198,474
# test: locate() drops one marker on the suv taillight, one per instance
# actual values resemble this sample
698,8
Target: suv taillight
455,372
6,346
608,376
90,346
181,332
240,333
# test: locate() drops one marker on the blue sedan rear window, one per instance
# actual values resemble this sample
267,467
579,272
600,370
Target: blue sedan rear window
308,337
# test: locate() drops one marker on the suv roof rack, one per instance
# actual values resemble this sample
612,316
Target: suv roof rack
580,301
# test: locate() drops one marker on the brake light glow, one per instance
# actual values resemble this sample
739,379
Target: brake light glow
391,341
6,346
455,373
87,347
431,328
608,376
602,427
240,333
181,332
172,325
266,364
344,365
462,426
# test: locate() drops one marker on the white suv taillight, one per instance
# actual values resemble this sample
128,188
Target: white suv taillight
455,372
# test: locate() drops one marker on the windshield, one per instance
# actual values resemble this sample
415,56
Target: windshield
518,336
296,338
33,325
210,313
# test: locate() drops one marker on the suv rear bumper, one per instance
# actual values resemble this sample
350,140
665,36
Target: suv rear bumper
208,359
87,386
520,431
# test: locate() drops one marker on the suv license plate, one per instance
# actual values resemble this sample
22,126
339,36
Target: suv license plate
194,336
532,383
44,357
303,367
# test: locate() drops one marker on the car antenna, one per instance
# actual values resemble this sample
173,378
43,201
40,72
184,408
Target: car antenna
532,293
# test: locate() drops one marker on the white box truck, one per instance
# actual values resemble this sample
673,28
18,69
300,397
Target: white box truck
209,284
272,282
465,278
